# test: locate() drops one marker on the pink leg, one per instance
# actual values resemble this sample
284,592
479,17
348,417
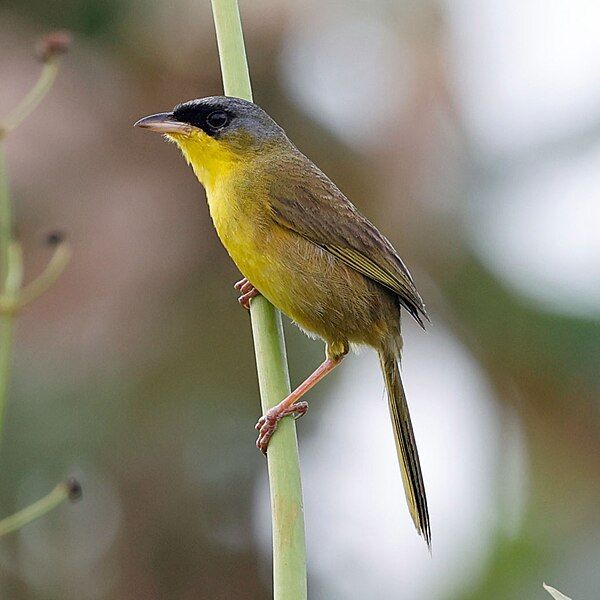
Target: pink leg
248,292
268,423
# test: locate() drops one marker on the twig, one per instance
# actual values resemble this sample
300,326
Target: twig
31,101
58,263
11,260
69,489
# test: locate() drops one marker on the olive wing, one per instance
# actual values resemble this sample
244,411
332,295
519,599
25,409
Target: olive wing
316,209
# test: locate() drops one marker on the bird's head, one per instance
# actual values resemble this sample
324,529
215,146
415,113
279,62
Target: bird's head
216,132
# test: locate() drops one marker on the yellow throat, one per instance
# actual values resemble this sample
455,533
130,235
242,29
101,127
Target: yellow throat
210,159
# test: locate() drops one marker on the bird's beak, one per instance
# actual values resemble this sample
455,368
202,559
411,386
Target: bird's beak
163,123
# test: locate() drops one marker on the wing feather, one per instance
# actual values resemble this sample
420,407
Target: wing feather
320,213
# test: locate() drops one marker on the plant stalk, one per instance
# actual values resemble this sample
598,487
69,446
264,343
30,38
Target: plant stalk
36,510
5,217
289,548
6,318
33,98
11,260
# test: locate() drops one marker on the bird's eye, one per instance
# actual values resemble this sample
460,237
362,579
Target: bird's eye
217,119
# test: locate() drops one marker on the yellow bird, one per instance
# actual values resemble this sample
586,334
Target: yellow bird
299,242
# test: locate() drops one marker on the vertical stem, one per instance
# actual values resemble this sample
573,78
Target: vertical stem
232,52
11,263
6,319
289,549
6,330
5,216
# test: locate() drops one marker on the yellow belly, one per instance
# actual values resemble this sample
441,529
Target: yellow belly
275,260
258,246
306,283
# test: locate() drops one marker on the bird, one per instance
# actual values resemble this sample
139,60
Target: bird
299,242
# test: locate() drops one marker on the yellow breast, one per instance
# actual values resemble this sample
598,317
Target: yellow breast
250,237
239,210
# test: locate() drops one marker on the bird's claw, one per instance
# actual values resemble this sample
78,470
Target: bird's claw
248,292
267,424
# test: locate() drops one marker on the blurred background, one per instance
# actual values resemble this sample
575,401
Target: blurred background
469,131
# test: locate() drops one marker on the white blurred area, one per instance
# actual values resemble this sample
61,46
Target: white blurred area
528,77
335,86
525,70
541,233
359,531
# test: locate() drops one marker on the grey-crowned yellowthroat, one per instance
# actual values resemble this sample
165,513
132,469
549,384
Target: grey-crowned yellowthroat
299,242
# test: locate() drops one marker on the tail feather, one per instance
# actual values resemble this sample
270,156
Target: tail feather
410,467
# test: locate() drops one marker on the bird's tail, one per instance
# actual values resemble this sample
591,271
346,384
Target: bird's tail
410,467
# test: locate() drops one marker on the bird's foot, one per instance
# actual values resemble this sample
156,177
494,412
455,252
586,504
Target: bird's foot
248,292
267,424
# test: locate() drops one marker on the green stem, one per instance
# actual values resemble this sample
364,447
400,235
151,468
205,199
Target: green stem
11,270
289,549
32,99
6,331
12,284
11,261
36,510
232,52
5,216
59,261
